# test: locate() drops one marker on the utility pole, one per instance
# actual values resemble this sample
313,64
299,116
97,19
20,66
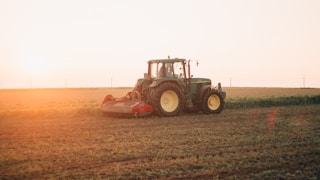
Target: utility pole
304,81
230,82
65,83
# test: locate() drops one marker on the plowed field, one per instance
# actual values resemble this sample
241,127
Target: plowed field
63,135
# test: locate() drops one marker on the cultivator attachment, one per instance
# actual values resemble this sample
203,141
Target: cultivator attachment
131,104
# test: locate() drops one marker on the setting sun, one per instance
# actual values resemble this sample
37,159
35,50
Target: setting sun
35,66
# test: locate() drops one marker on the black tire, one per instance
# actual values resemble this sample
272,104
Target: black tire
212,102
167,99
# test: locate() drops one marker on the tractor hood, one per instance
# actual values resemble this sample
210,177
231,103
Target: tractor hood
201,81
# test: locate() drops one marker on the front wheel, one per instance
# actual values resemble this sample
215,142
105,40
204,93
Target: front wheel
212,102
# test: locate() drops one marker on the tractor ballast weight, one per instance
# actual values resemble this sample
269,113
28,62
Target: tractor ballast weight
168,89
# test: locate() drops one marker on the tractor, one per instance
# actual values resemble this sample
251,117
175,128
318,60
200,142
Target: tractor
168,89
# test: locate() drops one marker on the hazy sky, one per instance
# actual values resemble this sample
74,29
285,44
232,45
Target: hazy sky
91,42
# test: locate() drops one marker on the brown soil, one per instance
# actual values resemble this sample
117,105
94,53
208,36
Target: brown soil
258,143
61,133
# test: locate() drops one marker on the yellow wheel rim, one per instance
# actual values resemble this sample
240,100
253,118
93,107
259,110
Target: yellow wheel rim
214,102
169,101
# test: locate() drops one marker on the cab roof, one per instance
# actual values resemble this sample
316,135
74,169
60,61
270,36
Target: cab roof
166,60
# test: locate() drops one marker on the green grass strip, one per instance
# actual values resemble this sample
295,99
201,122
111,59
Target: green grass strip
245,102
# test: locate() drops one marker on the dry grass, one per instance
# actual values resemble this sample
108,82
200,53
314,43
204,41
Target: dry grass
61,134
55,102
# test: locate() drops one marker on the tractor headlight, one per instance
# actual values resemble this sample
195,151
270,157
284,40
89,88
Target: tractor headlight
154,83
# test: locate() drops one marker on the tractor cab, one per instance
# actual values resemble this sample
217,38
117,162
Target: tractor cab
167,68
162,70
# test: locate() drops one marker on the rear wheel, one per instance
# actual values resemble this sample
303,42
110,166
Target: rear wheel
212,102
167,99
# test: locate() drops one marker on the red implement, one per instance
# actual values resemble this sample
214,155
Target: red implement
129,104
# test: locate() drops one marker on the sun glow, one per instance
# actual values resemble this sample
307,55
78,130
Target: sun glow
35,66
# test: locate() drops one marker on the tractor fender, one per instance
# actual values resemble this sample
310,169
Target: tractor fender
202,91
